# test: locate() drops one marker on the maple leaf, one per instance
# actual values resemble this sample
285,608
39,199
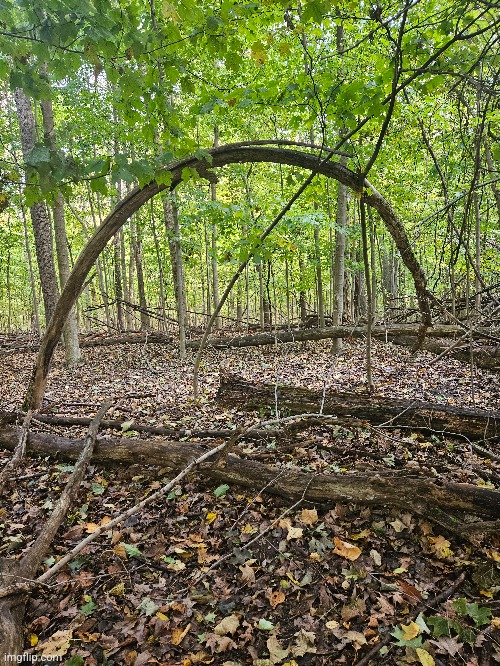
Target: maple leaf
178,634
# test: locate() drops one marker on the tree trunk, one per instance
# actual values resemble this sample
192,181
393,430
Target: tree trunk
377,410
70,333
174,243
416,494
339,259
42,229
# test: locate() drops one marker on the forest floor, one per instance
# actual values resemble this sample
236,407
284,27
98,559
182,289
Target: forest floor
323,585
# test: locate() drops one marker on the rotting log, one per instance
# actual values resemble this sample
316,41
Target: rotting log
425,497
234,391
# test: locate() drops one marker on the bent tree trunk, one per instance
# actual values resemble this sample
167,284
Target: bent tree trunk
378,410
231,154
419,495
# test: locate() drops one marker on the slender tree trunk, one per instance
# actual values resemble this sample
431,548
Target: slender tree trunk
159,260
339,261
215,265
302,293
42,229
174,242
34,297
141,289
369,296
70,333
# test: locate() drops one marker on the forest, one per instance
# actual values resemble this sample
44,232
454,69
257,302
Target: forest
250,332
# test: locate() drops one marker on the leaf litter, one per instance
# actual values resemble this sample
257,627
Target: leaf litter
322,585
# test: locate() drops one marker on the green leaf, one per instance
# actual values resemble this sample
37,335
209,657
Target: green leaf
76,660
147,607
221,490
132,551
98,488
89,607
265,625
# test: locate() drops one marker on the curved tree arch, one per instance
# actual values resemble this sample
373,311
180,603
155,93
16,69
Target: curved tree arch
221,156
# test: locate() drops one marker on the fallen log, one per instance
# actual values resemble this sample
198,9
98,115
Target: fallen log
487,357
430,498
303,335
94,341
234,391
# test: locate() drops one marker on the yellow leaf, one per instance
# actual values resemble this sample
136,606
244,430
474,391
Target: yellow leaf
33,640
309,516
495,555
210,517
495,622
360,535
346,550
295,582
162,616
441,547
424,657
178,634
170,12
248,529
118,590
410,631
258,52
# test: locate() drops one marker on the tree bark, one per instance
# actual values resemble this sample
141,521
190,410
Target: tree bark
70,333
174,243
419,495
42,228
377,410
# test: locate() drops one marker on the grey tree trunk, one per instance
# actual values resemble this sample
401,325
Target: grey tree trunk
174,243
215,265
339,261
42,228
70,333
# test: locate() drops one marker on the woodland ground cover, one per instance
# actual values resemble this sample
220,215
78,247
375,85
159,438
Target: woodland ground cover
319,584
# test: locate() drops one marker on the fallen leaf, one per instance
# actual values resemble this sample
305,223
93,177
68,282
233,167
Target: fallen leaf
424,657
410,631
57,645
346,550
178,634
247,574
277,597
294,533
228,625
276,652
309,517
357,638
118,590
210,517
304,642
